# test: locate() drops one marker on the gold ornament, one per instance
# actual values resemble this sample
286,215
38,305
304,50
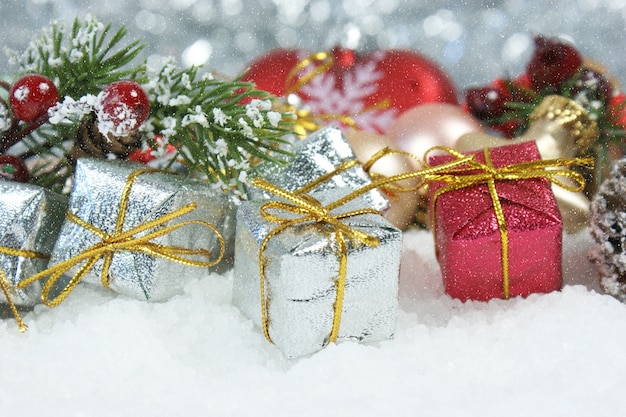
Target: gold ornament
561,129
406,207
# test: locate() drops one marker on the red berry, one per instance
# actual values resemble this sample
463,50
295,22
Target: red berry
31,96
145,156
519,88
617,110
522,82
553,62
123,107
13,168
487,102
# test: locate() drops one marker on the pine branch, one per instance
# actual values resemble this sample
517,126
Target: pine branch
220,129
81,61
217,135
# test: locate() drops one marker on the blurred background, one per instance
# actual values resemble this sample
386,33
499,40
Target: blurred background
474,41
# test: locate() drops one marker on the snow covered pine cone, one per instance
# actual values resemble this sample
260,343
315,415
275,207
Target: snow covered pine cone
90,142
608,228
111,128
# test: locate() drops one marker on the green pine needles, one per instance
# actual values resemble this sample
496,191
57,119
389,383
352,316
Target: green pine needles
83,59
220,129
216,129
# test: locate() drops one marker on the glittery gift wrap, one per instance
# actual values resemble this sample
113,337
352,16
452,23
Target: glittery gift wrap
302,264
322,152
30,219
468,240
96,198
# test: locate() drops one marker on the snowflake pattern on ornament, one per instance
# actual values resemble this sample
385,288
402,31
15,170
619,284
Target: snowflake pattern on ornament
323,98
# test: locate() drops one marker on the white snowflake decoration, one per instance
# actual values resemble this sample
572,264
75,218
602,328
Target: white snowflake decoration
358,84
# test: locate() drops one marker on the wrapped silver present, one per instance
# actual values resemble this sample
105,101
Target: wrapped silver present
152,222
288,278
30,219
321,153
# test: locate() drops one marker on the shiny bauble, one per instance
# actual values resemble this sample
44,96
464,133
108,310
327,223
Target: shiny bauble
404,206
428,125
270,71
561,129
372,89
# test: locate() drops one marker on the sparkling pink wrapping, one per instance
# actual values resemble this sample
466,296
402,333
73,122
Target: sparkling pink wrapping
468,240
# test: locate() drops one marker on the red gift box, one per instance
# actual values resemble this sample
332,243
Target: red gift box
468,240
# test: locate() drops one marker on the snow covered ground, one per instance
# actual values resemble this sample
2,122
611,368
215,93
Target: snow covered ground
98,354
552,355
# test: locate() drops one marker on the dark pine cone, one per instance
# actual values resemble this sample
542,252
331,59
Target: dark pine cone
608,228
89,142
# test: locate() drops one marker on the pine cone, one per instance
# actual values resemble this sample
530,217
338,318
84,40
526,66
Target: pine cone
89,142
608,228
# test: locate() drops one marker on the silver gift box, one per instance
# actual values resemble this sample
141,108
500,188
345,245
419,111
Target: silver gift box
95,198
301,270
320,153
30,219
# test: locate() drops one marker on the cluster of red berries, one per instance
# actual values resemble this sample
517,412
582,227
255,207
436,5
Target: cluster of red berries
556,67
33,95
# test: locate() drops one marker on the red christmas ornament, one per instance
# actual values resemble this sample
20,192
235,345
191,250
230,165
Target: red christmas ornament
553,62
371,89
270,71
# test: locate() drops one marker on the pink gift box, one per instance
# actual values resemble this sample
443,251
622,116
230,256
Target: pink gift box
468,240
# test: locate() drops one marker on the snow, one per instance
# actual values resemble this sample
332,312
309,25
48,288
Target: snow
98,354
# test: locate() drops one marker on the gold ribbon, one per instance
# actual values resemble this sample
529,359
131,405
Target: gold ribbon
477,173
293,83
7,287
127,240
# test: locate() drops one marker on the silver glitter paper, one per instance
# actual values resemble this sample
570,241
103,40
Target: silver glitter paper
30,219
301,269
95,198
320,153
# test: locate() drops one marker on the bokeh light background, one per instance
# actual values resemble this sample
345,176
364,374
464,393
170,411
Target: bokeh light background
474,41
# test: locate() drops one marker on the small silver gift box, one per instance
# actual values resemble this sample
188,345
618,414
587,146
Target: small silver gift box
320,153
300,279
30,219
96,198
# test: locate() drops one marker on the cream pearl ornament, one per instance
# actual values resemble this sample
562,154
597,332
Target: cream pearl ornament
561,128
431,124
403,205
422,127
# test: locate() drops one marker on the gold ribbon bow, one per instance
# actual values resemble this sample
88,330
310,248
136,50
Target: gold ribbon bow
477,173
127,240
310,209
7,287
